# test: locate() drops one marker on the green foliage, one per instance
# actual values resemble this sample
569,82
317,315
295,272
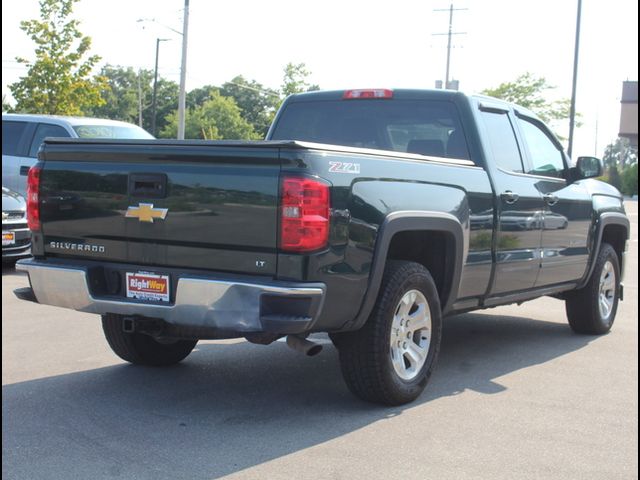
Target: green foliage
529,91
630,180
621,162
620,153
218,118
6,106
614,177
257,104
58,80
295,80
197,96
167,102
122,94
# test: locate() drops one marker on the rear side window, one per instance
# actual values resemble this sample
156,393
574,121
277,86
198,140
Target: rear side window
425,127
12,133
502,140
43,131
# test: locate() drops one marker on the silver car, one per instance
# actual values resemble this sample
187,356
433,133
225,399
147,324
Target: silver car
16,238
22,136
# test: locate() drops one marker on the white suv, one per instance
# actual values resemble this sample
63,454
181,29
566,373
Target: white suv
22,136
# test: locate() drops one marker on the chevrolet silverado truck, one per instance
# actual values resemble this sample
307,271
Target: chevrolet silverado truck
370,215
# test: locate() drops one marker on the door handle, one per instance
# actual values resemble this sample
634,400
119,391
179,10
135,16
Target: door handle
509,197
148,185
551,199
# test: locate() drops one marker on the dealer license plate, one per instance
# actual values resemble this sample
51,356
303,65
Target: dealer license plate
8,238
148,286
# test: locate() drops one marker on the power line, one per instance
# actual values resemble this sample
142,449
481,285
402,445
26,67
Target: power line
266,92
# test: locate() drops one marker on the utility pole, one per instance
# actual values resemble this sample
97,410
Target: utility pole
154,102
572,111
449,34
182,99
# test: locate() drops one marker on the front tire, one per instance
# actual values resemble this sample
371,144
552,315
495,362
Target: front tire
141,349
391,358
592,309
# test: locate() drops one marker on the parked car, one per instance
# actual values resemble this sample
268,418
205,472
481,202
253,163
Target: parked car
22,136
16,238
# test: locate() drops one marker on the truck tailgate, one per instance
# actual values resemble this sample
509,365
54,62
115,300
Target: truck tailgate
196,205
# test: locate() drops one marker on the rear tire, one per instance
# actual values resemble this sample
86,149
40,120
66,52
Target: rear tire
390,361
592,309
141,349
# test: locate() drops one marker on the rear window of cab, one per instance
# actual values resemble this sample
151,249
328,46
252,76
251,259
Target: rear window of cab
426,127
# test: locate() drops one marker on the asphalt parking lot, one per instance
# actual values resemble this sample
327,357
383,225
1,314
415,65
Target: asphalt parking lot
515,395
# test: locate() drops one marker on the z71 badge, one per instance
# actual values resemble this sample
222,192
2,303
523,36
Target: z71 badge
344,167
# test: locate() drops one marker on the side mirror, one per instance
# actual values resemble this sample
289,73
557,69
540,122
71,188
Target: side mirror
589,167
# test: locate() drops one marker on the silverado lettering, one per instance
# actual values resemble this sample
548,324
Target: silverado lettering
78,247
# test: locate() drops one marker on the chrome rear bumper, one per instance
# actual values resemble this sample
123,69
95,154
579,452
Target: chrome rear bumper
221,304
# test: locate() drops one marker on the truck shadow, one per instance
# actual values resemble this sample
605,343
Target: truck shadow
229,407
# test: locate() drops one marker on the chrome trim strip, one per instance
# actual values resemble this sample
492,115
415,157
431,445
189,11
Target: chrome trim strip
558,180
386,153
199,302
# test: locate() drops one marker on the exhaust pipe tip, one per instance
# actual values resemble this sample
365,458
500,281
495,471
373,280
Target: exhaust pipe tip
303,345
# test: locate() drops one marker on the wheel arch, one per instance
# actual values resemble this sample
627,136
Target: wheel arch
612,228
400,227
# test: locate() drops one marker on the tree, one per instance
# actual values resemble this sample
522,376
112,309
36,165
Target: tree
167,102
122,97
630,180
295,80
620,154
120,93
218,118
529,92
6,106
58,81
614,178
197,96
621,161
257,104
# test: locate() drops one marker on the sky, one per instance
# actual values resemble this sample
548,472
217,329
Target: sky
361,44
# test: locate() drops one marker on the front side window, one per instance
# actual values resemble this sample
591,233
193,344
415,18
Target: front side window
502,141
546,157
43,131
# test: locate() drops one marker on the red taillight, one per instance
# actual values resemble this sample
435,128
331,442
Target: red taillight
368,93
33,198
304,214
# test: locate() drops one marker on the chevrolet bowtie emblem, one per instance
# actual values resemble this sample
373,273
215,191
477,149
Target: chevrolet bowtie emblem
146,213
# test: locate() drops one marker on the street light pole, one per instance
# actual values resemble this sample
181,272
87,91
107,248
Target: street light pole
182,96
572,111
154,102
182,99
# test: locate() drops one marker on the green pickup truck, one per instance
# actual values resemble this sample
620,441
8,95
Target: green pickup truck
367,214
